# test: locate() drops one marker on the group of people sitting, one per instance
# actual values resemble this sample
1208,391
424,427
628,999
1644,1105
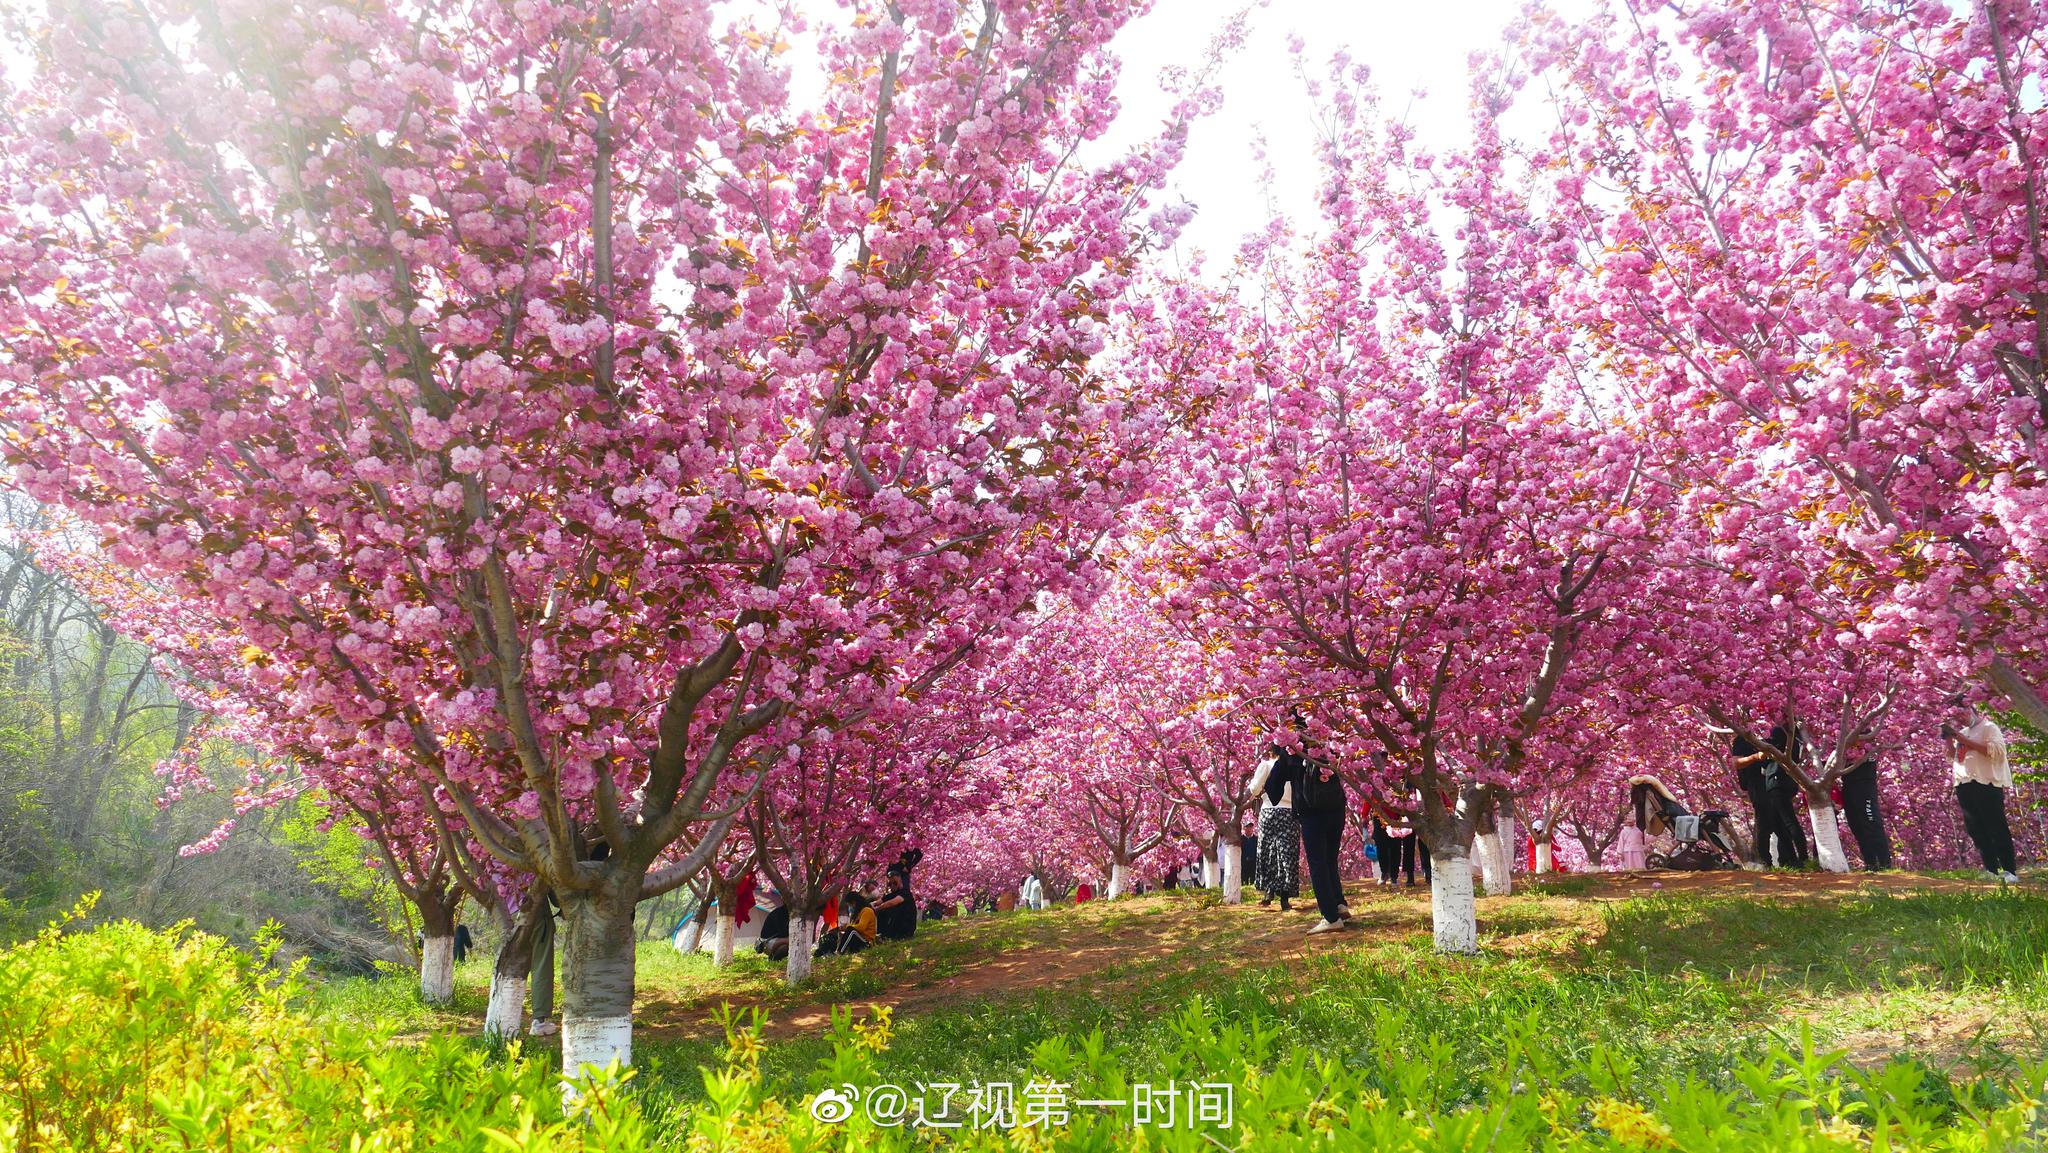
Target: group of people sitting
868,912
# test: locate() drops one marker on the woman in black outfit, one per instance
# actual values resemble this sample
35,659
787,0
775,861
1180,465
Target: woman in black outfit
1321,810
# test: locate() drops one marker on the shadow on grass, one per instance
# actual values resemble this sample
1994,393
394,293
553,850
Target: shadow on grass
1950,940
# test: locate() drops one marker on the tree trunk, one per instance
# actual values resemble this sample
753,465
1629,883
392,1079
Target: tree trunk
1545,861
692,936
437,970
722,895
506,1010
721,940
1209,873
803,937
1119,879
597,981
1827,837
2017,690
437,948
1233,873
1486,847
1452,911
1504,847
1594,851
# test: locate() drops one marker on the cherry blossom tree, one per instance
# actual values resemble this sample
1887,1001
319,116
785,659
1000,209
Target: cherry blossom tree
1168,703
1395,495
1811,243
555,368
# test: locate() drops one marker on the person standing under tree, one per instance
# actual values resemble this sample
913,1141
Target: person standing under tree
1277,868
540,975
1783,793
1982,775
1866,820
1319,804
1385,851
1779,840
1748,761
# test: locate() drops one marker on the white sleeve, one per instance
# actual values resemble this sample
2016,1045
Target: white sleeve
1264,771
2001,761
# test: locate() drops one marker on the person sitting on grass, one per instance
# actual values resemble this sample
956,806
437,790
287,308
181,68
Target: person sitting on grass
896,912
857,928
774,942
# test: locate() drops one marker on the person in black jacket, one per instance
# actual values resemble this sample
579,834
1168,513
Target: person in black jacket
1321,808
1771,793
1866,820
774,942
896,912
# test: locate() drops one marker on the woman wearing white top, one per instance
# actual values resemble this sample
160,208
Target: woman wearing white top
1277,871
1982,775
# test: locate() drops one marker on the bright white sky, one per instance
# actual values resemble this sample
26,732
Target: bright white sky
1412,47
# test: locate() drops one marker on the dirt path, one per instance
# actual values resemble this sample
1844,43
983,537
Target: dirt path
1096,938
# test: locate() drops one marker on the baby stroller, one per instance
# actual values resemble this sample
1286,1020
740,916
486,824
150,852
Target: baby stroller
1700,843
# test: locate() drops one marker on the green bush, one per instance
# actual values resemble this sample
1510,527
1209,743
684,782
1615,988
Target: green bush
123,1038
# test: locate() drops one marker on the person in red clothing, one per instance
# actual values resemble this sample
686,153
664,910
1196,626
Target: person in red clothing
1084,892
1537,832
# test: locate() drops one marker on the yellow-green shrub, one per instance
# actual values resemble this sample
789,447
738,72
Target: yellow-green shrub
125,1038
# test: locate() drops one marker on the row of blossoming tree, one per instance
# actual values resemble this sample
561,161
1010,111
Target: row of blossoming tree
603,469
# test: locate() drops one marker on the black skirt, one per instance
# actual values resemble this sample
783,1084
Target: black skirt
1277,872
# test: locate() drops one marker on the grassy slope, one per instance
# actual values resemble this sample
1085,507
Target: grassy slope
1641,987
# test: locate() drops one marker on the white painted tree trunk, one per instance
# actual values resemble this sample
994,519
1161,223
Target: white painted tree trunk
595,1042
1233,874
507,1007
721,940
1545,859
1827,838
1504,843
692,936
437,970
1119,879
803,937
1209,877
598,957
1453,913
1486,848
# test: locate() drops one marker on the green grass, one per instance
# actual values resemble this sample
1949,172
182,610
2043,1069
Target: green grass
1651,989
1843,1016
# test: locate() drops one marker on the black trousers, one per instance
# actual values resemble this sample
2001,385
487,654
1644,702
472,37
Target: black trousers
1866,820
1760,825
1422,851
1781,816
1404,855
1322,834
1984,819
1386,845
